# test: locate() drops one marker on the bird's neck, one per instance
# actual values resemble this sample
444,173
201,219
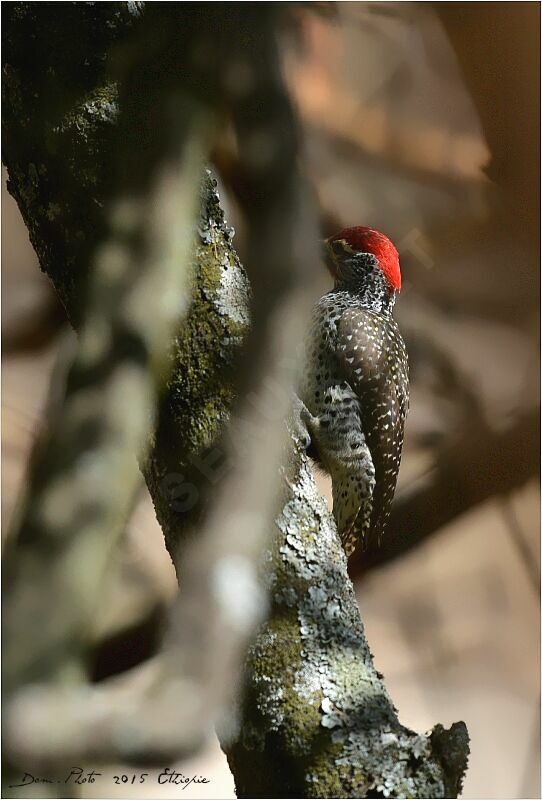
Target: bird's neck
371,291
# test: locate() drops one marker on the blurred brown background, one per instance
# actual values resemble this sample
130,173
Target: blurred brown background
422,121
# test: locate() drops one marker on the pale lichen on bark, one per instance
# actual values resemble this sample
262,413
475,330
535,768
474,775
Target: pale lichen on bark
315,717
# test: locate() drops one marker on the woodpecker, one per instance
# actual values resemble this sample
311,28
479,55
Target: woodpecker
354,388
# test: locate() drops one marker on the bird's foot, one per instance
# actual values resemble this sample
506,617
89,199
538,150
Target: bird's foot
299,422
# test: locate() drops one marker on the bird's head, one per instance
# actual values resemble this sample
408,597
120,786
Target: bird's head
355,254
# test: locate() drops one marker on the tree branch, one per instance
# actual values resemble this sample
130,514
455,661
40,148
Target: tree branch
314,718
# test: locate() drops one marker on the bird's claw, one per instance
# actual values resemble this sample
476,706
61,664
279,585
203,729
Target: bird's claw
299,417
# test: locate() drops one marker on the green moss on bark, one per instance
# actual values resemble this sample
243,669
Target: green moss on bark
187,455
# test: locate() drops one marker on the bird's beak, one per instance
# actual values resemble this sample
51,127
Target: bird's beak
329,260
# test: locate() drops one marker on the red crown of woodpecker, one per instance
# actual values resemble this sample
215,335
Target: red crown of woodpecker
369,240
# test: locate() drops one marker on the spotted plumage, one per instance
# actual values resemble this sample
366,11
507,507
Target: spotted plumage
355,385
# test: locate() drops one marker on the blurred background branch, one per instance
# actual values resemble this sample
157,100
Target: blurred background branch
84,475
